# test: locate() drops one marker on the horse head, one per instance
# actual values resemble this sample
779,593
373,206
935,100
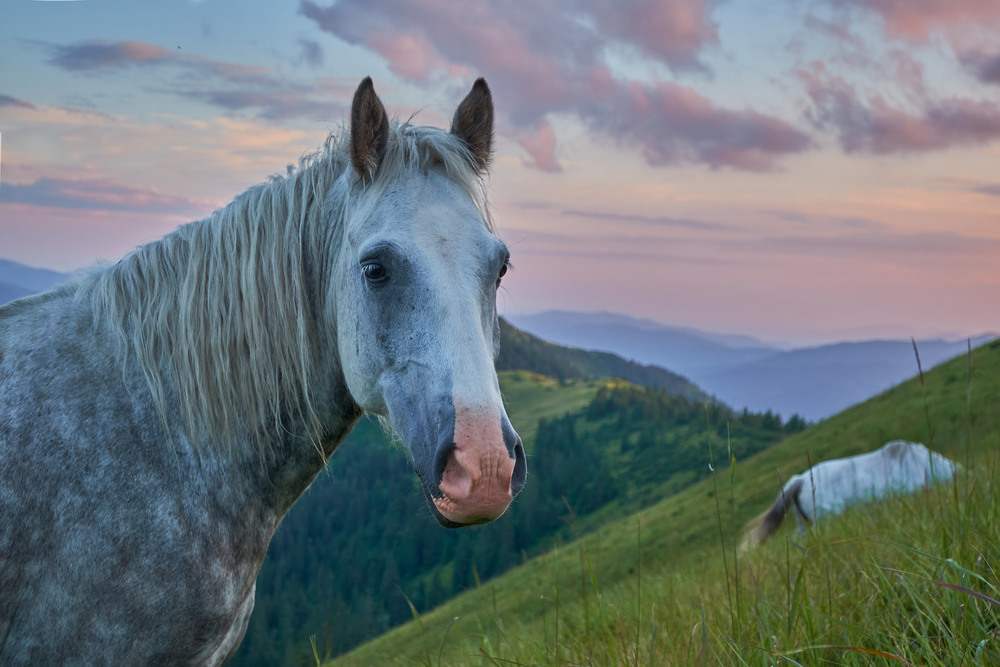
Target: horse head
415,294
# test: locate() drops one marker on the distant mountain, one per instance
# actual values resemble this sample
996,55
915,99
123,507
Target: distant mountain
820,381
18,280
813,382
522,351
682,350
10,292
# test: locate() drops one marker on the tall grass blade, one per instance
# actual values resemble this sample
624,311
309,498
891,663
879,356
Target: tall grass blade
965,590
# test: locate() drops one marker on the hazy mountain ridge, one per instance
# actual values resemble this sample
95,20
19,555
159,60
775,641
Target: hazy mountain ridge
17,280
680,349
10,292
814,382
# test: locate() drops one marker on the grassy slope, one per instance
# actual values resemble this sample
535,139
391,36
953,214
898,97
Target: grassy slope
530,397
597,602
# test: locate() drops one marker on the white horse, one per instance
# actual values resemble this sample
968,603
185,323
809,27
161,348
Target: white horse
831,486
159,418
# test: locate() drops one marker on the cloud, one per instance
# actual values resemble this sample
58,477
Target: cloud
673,32
311,52
540,146
675,124
826,221
993,190
94,55
8,101
230,86
986,68
886,245
98,195
269,104
552,58
917,20
873,124
657,220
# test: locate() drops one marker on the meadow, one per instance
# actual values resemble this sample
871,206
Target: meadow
913,580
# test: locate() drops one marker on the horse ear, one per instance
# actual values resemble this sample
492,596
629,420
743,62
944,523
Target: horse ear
473,123
369,129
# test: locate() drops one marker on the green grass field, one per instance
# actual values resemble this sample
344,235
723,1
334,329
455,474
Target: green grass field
913,580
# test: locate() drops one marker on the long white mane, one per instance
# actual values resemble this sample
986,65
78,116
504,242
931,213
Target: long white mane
229,315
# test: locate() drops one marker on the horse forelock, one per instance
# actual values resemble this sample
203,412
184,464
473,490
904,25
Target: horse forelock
227,315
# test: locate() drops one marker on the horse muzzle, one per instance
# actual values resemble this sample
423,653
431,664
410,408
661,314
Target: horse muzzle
478,473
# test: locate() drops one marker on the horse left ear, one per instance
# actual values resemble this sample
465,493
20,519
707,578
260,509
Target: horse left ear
473,123
369,129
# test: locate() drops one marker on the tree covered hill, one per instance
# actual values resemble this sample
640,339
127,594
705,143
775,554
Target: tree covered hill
360,546
520,350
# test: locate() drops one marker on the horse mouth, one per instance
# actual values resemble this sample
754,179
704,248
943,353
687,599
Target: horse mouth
442,519
432,503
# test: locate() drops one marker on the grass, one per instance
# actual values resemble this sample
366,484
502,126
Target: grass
909,581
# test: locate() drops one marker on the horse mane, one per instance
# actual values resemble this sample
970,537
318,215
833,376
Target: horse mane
227,315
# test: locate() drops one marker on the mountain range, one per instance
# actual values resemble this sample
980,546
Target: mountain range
17,280
813,382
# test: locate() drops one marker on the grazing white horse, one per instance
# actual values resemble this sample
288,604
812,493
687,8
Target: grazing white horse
159,418
829,487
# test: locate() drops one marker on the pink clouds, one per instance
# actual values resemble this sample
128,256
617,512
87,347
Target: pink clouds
872,124
231,86
540,146
409,56
675,32
100,195
675,124
984,67
97,54
916,20
549,58
8,101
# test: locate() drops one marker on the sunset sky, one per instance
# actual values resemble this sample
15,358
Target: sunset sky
799,170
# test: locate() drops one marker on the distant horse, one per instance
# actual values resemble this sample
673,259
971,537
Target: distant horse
159,418
829,487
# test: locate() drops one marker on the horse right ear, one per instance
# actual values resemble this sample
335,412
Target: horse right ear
473,123
369,130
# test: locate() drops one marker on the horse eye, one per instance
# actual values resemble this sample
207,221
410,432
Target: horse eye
375,272
503,270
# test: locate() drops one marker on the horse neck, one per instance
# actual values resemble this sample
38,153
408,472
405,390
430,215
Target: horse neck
293,462
266,465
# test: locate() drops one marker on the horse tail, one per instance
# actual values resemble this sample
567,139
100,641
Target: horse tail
764,526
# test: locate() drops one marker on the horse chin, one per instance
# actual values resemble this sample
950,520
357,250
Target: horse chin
442,519
432,503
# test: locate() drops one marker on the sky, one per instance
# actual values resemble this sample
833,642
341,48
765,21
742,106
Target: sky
802,171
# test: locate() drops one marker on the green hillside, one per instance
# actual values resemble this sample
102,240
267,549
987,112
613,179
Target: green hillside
665,585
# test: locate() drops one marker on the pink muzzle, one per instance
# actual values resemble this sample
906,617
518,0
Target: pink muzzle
476,482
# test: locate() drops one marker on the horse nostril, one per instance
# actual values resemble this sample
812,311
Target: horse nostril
444,454
520,469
